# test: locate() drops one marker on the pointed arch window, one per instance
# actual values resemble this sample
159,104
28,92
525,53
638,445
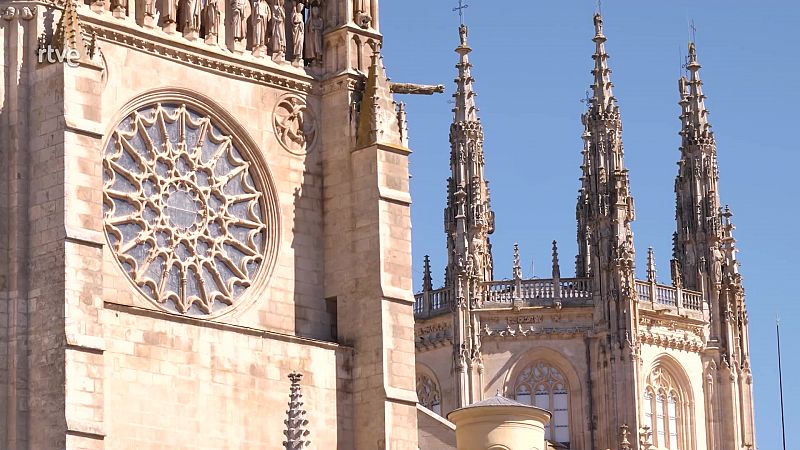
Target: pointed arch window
663,406
429,394
543,385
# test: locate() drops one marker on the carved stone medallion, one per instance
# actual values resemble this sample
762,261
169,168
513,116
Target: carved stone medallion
184,216
295,124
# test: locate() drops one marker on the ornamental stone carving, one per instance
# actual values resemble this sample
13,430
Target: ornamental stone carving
184,215
295,124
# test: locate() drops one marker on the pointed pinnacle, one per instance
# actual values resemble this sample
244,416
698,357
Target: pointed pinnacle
465,108
603,98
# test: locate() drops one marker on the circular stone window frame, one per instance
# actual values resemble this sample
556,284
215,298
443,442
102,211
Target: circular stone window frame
261,174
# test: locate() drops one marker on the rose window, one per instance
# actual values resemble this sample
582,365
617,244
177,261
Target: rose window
183,215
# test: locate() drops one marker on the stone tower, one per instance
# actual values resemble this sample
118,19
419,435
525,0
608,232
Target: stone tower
200,197
621,363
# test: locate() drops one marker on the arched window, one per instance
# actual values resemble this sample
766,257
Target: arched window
662,410
540,384
429,394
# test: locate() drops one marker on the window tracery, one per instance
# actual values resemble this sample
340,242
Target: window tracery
543,385
429,394
183,215
663,405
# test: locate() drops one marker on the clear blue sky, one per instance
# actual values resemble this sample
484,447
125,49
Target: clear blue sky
532,62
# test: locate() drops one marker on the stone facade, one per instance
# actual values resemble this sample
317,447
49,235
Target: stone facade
620,362
190,211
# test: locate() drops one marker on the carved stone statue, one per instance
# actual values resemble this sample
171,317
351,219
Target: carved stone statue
261,16
211,18
298,33
150,8
119,7
278,37
313,38
361,10
170,11
239,19
190,14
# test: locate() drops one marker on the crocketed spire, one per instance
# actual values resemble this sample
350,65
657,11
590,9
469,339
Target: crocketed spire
603,97
696,122
465,109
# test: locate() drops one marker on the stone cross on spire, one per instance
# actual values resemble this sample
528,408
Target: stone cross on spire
460,9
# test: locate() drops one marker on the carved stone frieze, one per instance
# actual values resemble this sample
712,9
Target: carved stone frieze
520,331
433,336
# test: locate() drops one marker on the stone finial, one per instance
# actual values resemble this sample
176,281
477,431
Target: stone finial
645,438
427,280
517,268
651,265
675,271
296,432
624,437
556,266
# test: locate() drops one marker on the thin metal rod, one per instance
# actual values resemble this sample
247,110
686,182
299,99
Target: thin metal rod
780,379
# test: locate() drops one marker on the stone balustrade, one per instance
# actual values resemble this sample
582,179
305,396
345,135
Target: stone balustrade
659,295
545,292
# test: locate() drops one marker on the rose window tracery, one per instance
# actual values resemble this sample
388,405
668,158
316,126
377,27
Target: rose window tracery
183,214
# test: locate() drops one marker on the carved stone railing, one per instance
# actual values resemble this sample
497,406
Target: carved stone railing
659,296
432,303
531,292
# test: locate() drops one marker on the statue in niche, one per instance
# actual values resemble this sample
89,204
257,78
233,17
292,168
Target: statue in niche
119,5
261,16
362,13
170,11
150,8
239,20
278,37
190,12
211,18
313,38
298,33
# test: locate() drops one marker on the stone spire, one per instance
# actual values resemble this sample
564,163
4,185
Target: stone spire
465,109
69,35
296,432
378,117
603,98
696,186
468,217
516,270
605,205
468,222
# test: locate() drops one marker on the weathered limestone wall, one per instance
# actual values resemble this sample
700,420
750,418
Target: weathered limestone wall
192,384
435,432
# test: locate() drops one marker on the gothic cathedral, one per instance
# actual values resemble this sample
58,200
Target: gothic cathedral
205,227
621,363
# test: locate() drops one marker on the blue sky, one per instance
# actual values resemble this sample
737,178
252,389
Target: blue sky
532,62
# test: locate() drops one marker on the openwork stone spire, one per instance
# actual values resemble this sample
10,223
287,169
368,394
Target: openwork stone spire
468,222
696,186
468,217
378,117
296,432
427,279
465,109
605,205
603,98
